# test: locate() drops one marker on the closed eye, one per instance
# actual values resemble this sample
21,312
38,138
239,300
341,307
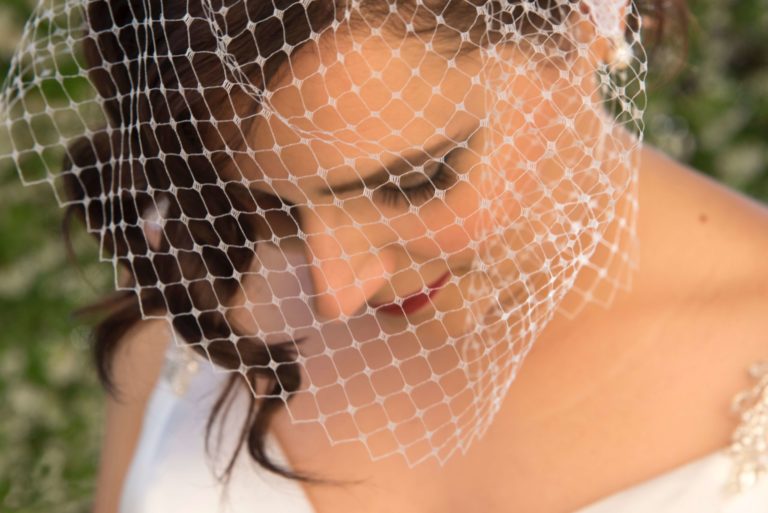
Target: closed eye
399,195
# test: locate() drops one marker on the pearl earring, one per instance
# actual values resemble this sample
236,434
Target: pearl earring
622,55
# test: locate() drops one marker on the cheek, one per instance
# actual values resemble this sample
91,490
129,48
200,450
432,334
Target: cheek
268,302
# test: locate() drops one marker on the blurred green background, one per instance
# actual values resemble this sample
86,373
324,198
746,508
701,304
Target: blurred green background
712,114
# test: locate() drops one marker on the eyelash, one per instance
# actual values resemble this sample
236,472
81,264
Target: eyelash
421,193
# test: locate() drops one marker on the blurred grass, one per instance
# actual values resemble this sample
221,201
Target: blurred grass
51,407
713,114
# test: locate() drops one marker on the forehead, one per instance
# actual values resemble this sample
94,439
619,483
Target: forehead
346,100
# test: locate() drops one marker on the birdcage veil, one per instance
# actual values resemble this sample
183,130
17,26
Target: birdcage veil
227,156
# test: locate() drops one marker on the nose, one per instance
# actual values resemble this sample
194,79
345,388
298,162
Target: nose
346,266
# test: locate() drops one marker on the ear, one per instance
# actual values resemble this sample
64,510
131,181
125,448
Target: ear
153,220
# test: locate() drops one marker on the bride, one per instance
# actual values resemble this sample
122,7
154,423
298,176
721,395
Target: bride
341,226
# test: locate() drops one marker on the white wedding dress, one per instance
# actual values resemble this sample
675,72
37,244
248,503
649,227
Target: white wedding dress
170,470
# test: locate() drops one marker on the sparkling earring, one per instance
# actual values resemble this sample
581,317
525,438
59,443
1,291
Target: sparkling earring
622,55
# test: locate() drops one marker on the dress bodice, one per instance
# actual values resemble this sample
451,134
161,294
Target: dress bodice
171,471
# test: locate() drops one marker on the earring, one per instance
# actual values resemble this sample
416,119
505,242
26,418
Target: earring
622,55
154,220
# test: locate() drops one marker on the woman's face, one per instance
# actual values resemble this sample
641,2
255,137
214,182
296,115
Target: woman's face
467,187
398,162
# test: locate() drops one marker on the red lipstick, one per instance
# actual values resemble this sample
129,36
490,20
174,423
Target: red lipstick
415,301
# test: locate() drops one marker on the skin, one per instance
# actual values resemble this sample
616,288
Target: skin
615,396
602,402
700,284
334,116
353,106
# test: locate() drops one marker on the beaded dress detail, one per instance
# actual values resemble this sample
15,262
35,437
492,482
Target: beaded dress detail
180,367
749,449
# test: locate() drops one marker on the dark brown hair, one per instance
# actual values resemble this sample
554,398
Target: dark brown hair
171,101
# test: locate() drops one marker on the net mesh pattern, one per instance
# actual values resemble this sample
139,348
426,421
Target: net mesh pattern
379,205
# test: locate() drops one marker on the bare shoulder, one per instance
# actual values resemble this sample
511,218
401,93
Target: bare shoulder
705,271
139,359
713,235
690,327
136,367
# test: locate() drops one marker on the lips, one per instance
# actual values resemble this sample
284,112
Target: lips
415,301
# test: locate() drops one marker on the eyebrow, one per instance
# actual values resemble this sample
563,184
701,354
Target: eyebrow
401,165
